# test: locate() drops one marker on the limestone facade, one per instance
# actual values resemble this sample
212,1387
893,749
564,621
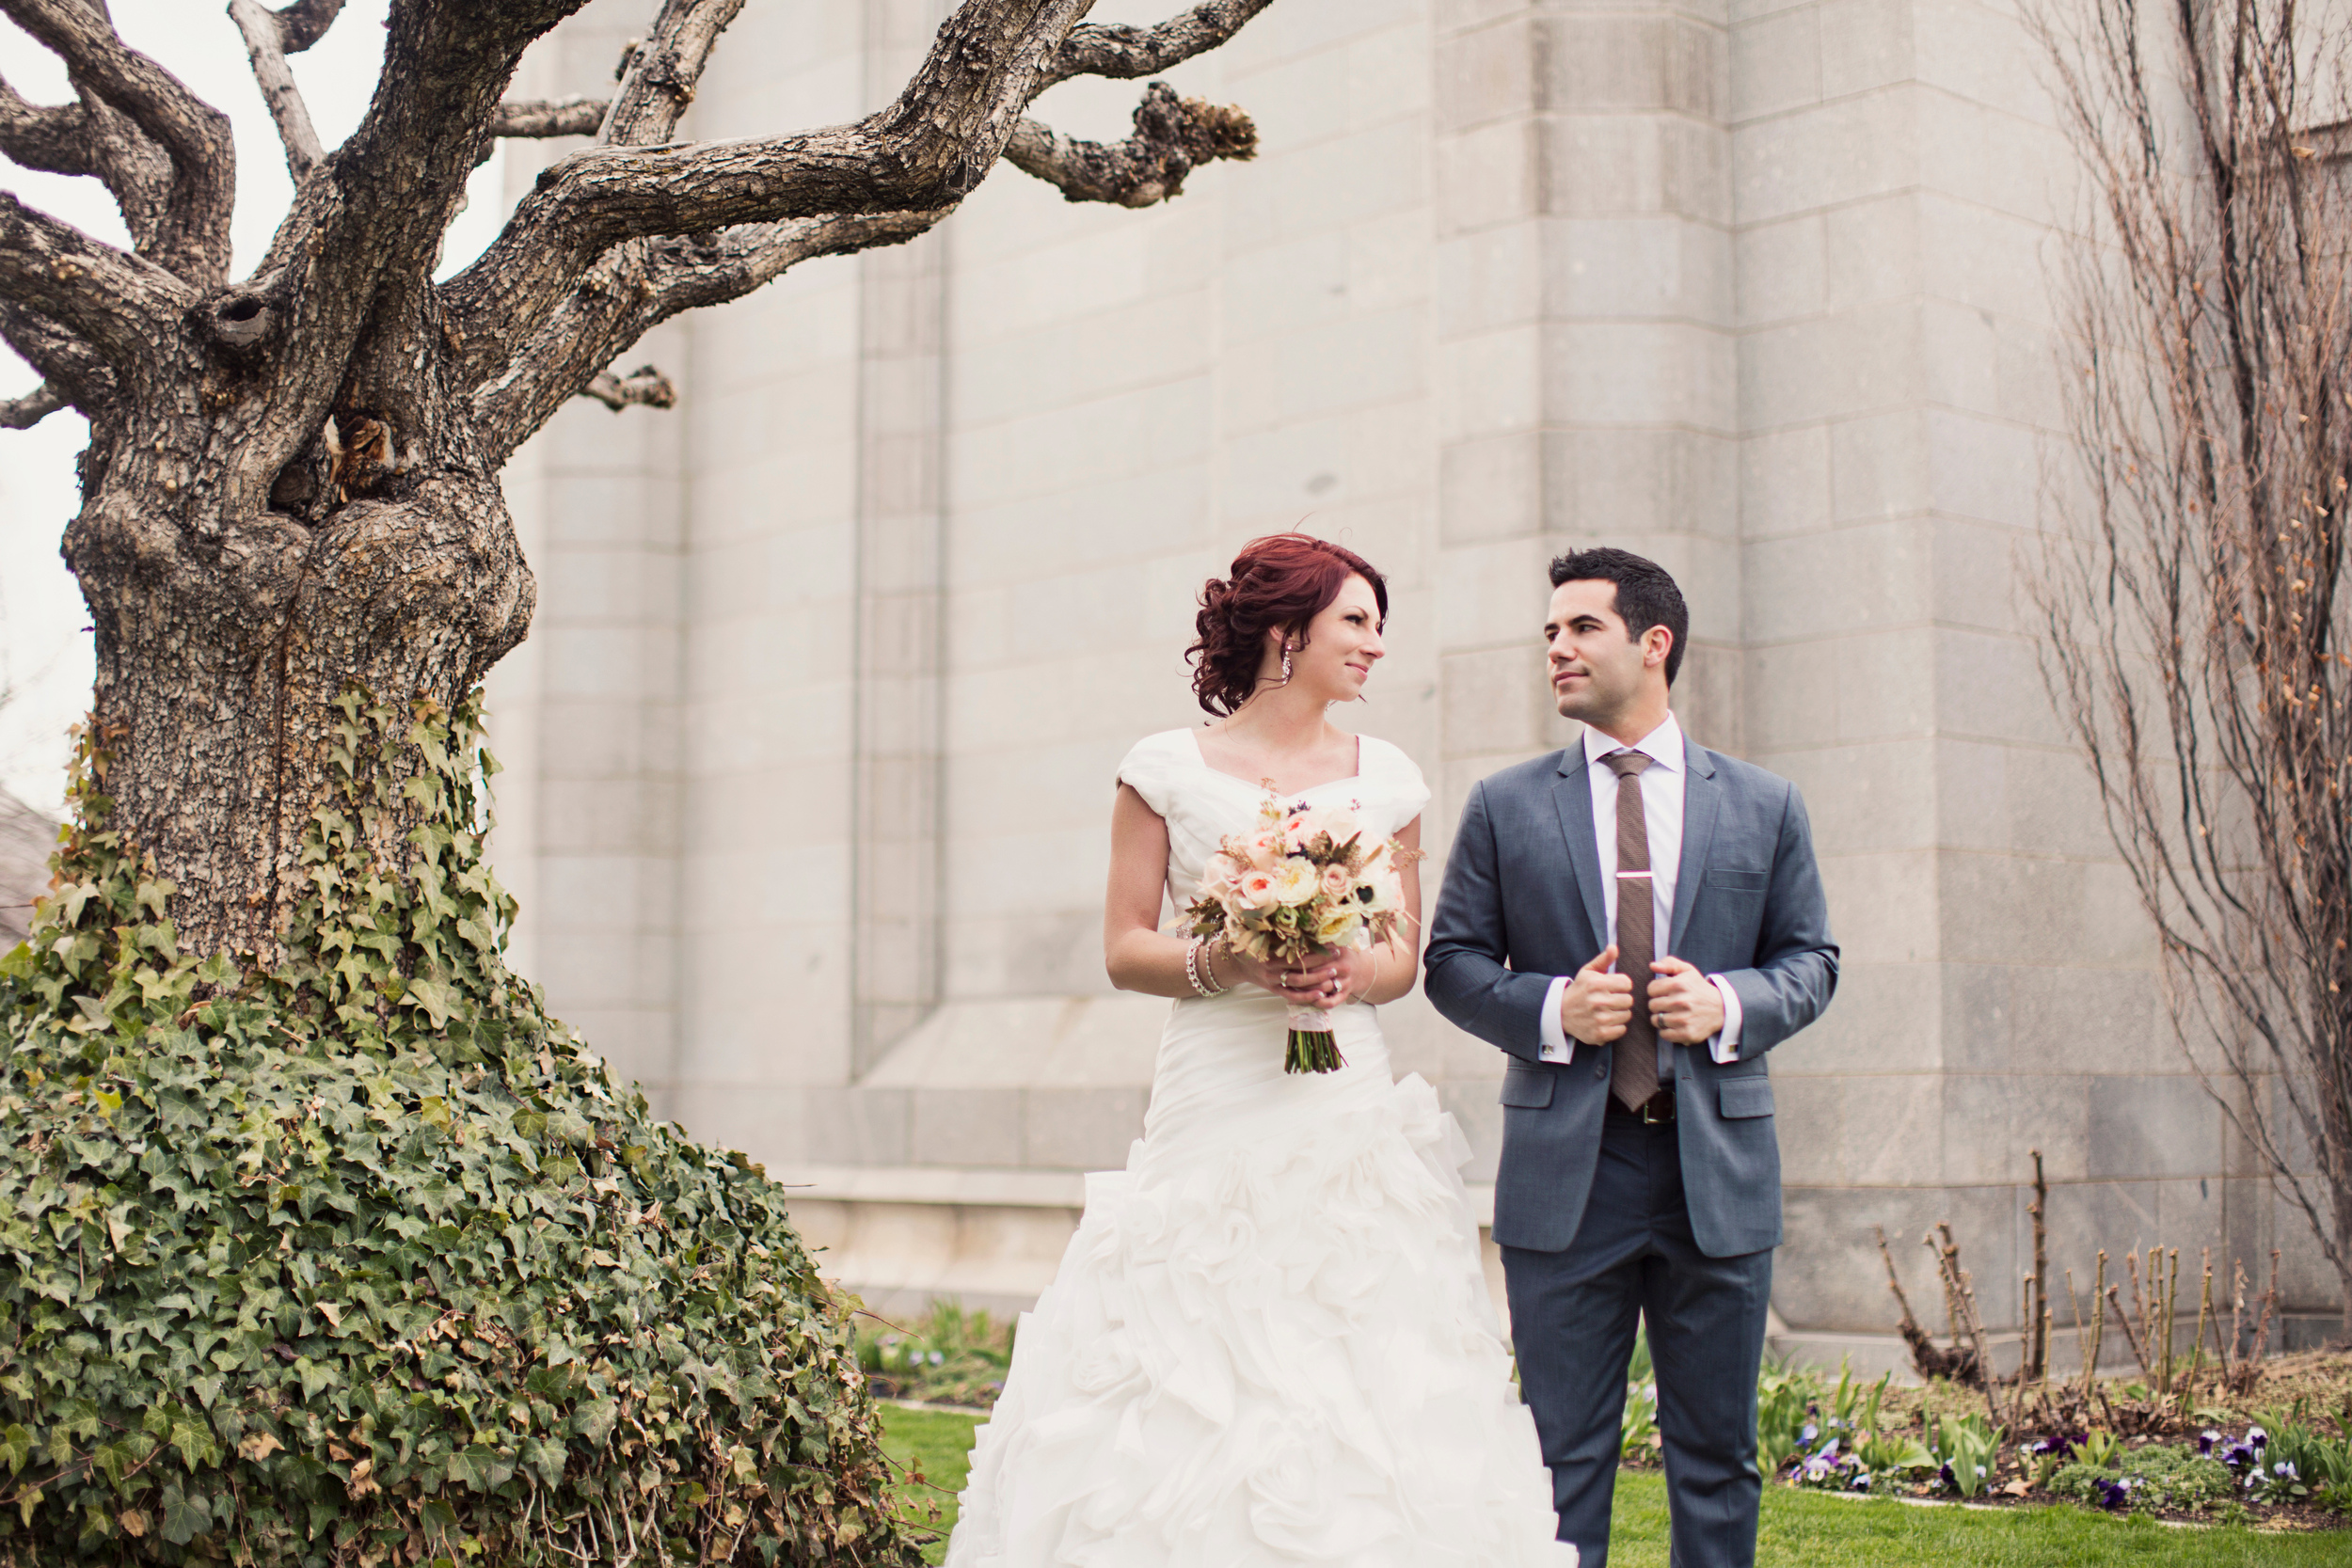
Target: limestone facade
810,751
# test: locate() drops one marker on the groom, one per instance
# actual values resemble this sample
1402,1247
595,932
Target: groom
1637,920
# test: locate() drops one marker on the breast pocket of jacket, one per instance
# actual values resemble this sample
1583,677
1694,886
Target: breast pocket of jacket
1527,1090
1736,1098
1728,879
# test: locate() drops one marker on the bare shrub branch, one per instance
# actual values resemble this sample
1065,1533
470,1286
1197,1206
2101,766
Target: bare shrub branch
2197,608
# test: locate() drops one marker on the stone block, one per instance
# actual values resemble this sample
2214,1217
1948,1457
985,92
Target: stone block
1883,1018
1810,1111
1775,64
859,1126
2153,1125
1493,702
1882,906
1866,44
1487,176
1641,373
1081,1129
1659,266
1875,573
1869,797
1845,150
1832,367
1780,269
1495,594
1491,489
1492,384
1784,480
1638,484
1894,1130
967,1127
1992,1123
1829,1274
1872,249
1599,166
1485,76
1889,685
1320,370
1616,64
765,1123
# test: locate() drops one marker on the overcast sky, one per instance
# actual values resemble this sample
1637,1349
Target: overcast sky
44,648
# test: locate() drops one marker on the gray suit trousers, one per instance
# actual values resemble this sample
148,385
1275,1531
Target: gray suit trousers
1573,1316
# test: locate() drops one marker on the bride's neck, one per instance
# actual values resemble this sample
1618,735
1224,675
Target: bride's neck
1279,721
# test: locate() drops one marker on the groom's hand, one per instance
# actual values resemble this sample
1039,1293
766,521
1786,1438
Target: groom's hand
1684,1004
1596,1005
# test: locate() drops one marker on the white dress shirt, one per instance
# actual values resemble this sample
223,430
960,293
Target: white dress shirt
1661,785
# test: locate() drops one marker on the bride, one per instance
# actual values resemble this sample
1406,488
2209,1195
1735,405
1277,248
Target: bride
1270,1341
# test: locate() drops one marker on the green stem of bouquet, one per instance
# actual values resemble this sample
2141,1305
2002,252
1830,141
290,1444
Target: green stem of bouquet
1313,1050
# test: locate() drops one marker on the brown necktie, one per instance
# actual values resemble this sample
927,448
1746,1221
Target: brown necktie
1633,1079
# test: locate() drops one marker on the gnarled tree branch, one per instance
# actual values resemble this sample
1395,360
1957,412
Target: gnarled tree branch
193,238
644,386
29,410
925,152
304,22
645,283
664,71
112,302
265,31
1173,136
54,139
561,117
1125,52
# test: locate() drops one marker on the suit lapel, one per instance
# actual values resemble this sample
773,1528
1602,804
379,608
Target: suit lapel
1572,794
1702,798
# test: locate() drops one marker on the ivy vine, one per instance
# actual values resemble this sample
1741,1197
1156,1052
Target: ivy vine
361,1259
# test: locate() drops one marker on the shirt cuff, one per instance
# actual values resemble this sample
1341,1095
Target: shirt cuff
1557,1047
1724,1047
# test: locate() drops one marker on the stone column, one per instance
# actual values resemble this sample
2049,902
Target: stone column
1584,359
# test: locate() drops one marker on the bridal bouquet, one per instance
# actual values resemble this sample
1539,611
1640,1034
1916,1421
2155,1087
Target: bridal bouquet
1302,881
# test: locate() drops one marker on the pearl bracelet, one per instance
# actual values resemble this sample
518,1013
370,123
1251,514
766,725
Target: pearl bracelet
1196,968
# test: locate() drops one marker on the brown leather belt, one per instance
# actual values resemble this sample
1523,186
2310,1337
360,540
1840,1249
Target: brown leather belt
1657,1111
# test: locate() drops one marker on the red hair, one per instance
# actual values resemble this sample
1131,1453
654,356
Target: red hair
1279,582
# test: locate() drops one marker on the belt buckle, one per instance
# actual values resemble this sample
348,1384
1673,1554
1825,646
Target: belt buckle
1651,1112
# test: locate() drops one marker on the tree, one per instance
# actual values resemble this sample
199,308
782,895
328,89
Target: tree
319,1242
291,480
2199,621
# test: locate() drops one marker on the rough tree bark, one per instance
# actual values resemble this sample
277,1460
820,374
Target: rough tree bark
2199,613
292,479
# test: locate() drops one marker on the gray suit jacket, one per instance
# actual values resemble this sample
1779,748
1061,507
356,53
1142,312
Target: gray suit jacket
1522,903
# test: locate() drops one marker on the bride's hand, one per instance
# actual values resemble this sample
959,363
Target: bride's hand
1316,981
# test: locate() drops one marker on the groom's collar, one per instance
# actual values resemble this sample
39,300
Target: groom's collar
1663,745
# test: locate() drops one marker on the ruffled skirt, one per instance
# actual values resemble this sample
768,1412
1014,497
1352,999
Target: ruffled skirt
1270,1341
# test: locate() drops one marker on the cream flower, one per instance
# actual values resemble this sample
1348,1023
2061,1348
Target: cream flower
1342,927
1337,884
1255,890
1293,881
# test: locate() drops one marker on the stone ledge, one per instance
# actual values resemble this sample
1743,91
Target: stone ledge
966,1187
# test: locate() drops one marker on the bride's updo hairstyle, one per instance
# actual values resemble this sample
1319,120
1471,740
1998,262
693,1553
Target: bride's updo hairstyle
1279,582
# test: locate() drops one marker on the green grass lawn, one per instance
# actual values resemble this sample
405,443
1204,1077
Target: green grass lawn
1805,1529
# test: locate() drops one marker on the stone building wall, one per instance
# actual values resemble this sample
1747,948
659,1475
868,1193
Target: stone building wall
811,750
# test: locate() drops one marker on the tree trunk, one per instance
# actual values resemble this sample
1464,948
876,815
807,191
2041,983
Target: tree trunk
221,653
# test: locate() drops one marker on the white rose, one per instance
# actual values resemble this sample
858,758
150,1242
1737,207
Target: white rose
1294,882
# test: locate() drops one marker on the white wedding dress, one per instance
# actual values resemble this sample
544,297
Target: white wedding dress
1270,1341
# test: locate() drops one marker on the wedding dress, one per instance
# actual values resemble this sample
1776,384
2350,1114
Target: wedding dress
1270,1341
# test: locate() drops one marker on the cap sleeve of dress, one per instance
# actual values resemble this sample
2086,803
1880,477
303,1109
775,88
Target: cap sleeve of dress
1401,788
1149,768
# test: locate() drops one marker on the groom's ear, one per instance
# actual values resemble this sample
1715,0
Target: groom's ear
1657,643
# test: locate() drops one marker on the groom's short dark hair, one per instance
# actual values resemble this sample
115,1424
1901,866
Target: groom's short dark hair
1647,594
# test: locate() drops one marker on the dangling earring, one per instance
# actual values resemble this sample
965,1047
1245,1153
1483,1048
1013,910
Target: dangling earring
1286,665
